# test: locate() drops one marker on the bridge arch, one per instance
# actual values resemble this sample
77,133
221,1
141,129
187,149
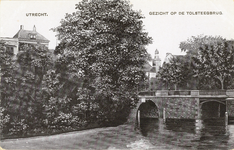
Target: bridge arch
206,101
146,110
212,108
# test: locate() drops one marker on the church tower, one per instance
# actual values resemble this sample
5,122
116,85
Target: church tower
156,61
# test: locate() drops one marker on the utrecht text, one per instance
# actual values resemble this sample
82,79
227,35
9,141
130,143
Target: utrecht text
36,14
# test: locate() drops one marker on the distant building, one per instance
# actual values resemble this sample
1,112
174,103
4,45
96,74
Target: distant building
24,37
31,37
156,61
169,56
12,44
152,70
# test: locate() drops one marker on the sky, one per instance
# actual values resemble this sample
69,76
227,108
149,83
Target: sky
168,22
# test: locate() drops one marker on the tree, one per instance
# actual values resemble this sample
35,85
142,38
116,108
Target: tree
215,60
191,47
172,73
33,61
21,96
6,73
7,85
107,41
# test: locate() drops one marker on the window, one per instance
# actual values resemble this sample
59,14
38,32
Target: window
32,36
10,50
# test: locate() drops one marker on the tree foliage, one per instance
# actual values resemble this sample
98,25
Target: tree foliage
20,88
208,64
210,60
215,61
173,73
6,85
102,44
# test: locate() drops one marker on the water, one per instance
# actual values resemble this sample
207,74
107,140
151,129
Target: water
154,134
191,134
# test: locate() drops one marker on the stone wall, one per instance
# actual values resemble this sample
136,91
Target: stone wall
183,104
178,107
230,108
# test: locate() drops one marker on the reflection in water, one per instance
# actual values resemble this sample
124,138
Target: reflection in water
199,134
181,125
149,125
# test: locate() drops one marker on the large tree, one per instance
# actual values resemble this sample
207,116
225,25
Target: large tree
107,42
215,61
191,46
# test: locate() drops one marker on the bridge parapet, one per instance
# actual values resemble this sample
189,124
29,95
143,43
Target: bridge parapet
212,92
230,93
188,93
187,104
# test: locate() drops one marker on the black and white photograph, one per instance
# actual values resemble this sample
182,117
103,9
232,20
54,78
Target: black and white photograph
117,74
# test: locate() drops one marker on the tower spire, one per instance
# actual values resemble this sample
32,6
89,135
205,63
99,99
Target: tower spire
34,28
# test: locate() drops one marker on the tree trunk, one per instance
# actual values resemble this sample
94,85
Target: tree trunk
221,81
222,84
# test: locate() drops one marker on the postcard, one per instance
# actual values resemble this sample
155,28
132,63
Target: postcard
117,74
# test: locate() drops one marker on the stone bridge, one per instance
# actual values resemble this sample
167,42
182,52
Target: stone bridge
186,104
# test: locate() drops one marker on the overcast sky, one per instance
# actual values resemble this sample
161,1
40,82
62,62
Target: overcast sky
167,30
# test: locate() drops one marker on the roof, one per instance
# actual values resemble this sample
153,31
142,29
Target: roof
9,41
24,35
156,51
178,56
153,69
169,56
147,67
8,38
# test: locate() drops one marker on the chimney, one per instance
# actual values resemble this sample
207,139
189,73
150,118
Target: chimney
34,28
21,27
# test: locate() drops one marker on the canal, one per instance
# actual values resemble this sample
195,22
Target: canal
153,134
189,134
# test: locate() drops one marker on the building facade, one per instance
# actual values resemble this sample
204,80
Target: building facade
24,37
12,44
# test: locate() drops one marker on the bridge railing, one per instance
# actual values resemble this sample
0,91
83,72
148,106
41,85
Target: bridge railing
212,92
179,92
185,92
147,93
